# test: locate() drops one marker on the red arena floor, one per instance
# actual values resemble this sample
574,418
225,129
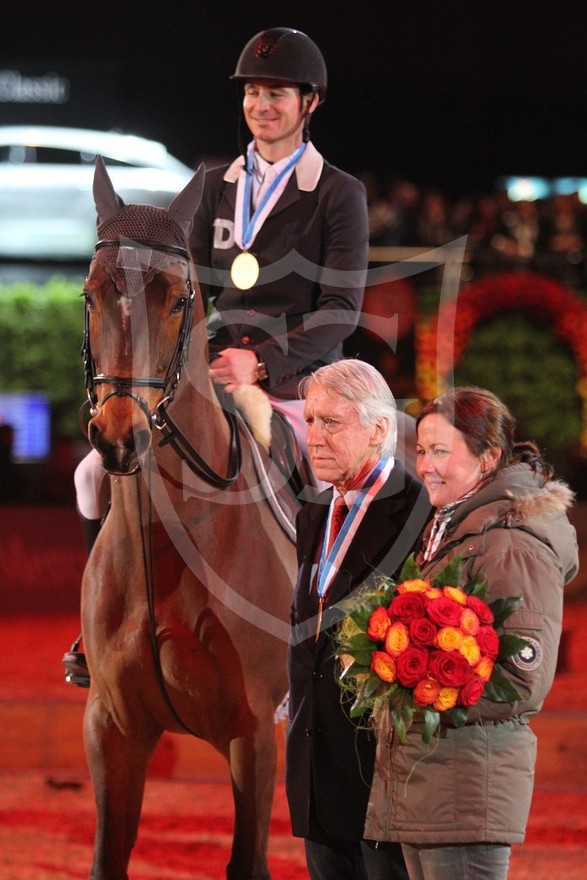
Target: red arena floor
46,804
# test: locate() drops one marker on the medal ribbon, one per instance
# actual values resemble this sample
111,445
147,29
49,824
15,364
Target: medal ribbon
250,222
330,562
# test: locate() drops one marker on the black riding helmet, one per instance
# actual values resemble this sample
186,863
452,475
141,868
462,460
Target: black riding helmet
286,55
283,55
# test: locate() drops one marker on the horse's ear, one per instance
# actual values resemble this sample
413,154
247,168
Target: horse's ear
185,204
107,201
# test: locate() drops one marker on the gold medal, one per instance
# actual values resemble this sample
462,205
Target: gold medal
244,270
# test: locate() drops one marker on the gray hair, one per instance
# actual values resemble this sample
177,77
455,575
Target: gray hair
365,387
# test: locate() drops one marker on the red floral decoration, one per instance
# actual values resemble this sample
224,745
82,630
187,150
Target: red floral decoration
425,648
441,339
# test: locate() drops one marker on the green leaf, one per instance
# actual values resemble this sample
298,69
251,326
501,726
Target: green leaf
458,716
504,607
359,642
359,707
401,712
477,586
450,574
372,685
509,645
431,723
361,616
410,570
353,670
500,689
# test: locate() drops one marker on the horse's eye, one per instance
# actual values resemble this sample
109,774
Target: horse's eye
88,300
179,305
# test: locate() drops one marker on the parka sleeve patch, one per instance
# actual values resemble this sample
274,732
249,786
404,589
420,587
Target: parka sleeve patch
530,657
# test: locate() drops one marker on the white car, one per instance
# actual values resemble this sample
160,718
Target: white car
46,174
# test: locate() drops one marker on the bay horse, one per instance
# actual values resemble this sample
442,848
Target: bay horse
186,593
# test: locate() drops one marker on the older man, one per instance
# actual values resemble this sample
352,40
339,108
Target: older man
351,423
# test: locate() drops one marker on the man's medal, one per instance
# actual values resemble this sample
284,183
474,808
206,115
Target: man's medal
245,269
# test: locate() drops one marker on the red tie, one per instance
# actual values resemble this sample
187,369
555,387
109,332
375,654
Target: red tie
339,513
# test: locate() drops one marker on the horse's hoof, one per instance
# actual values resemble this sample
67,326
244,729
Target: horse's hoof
76,669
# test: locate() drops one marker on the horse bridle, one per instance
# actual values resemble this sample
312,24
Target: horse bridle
122,386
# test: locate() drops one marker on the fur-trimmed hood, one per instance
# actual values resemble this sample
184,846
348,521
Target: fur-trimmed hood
554,497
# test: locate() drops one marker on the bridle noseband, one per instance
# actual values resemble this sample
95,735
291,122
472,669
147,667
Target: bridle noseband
122,386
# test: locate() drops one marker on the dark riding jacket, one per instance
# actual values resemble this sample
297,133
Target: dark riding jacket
313,253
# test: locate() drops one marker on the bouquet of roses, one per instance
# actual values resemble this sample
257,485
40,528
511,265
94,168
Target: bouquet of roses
422,648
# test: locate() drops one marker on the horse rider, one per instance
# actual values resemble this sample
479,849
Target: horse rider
284,232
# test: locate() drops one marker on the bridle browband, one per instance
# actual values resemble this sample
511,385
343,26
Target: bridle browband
122,386
165,248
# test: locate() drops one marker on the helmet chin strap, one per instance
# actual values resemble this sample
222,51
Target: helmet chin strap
306,129
311,96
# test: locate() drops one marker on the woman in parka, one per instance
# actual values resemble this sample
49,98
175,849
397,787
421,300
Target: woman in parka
458,804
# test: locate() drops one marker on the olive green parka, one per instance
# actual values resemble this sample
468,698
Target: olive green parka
474,784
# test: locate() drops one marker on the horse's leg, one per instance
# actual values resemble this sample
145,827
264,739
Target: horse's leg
253,760
118,767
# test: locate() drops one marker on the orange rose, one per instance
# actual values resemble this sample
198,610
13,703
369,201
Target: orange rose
457,594
469,622
426,692
397,639
470,650
484,668
415,586
383,665
449,638
378,624
447,699
433,593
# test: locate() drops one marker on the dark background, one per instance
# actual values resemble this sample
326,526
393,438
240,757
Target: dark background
448,94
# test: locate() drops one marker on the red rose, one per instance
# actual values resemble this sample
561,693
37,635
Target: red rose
422,631
378,624
407,606
412,666
449,670
481,609
472,691
488,641
444,611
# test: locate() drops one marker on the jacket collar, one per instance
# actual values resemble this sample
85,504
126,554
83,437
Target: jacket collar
307,170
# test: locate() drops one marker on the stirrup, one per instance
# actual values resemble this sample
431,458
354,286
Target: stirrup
76,666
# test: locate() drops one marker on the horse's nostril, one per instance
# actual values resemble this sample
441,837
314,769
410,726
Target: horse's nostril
92,433
142,440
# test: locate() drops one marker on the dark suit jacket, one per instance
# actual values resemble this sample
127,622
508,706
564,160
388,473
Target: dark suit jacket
329,757
313,254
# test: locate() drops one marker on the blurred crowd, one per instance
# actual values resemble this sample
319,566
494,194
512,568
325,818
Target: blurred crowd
547,236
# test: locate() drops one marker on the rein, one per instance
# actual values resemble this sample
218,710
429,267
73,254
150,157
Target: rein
147,552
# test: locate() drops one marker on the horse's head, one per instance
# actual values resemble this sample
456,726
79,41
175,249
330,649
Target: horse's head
139,306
